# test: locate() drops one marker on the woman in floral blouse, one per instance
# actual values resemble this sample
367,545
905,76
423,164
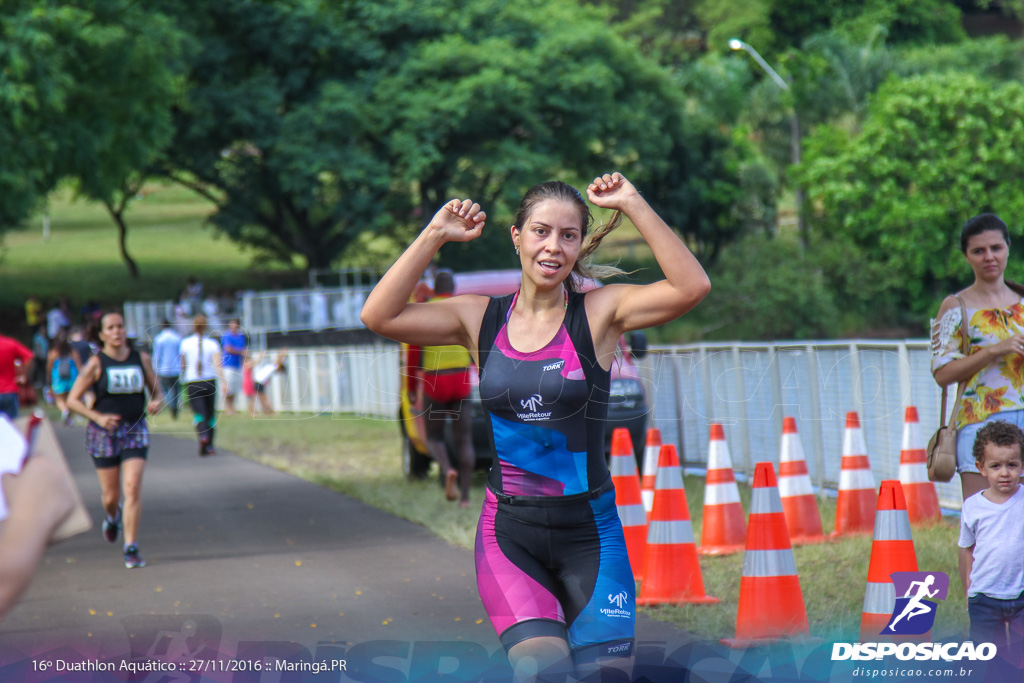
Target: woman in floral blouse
994,366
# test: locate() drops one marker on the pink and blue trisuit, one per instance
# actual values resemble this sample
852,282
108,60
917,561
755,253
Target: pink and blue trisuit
550,553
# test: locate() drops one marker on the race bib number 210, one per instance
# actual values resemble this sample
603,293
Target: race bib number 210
124,380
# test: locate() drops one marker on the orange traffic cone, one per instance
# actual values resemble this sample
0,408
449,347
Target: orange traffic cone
771,603
627,499
650,473
725,530
671,568
922,499
892,550
855,508
798,502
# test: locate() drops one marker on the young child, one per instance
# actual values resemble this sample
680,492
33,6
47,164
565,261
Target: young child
992,543
263,371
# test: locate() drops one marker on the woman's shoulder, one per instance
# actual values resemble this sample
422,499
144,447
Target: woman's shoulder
950,303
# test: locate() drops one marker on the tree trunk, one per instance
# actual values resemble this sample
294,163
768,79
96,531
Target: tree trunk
122,238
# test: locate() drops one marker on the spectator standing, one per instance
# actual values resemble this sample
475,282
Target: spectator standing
167,365
15,365
33,312
992,372
233,349
444,381
37,376
193,294
59,316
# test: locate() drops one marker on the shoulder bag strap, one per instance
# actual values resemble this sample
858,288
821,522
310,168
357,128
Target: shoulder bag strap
965,347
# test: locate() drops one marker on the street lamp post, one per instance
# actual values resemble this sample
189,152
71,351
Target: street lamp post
794,126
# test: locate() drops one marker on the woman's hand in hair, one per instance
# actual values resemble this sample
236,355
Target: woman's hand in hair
612,191
460,220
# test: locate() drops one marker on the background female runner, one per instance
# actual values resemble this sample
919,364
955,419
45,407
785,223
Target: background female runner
117,437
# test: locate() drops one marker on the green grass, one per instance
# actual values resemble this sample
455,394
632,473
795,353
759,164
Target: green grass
167,236
361,458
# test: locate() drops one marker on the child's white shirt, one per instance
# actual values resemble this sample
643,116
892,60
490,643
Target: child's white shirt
997,533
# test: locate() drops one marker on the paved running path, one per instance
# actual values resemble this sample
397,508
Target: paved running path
247,563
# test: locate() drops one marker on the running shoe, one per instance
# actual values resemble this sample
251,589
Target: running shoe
131,557
111,526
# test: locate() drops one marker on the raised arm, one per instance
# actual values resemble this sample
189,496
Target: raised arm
387,310
631,307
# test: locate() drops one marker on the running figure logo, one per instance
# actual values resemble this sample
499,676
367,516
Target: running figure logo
532,403
619,600
914,613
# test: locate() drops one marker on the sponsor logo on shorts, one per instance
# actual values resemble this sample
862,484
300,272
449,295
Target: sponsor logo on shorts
557,365
620,600
533,405
618,649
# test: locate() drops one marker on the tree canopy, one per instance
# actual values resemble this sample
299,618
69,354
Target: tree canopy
310,125
85,94
935,150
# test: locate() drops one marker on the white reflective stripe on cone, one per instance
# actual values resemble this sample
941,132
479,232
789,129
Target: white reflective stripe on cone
680,531
879,598
916,473
669,479
892,525
760,563
792,448
795,486
721,494
850,480
632,515
853,443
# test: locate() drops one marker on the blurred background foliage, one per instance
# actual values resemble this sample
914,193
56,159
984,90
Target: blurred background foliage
326,132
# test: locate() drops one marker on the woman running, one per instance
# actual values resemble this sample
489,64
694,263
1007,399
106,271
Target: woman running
117,437
200,368
550,552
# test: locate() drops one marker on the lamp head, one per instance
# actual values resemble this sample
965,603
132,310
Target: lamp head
736,43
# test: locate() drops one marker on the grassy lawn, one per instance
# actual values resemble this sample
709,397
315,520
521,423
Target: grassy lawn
167,237
367,467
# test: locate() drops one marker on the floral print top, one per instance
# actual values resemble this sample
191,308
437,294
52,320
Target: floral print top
998,386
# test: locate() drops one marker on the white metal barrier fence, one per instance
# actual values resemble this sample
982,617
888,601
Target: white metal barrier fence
260,313
750,388
747,387
303,310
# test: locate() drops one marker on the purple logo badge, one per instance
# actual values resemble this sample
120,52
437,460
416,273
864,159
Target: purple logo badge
916,593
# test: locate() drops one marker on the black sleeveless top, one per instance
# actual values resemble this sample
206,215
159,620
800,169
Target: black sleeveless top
546,409
121,387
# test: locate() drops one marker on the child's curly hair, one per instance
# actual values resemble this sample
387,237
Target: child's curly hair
999,433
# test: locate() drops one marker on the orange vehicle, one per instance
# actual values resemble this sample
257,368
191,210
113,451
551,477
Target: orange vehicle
628,407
